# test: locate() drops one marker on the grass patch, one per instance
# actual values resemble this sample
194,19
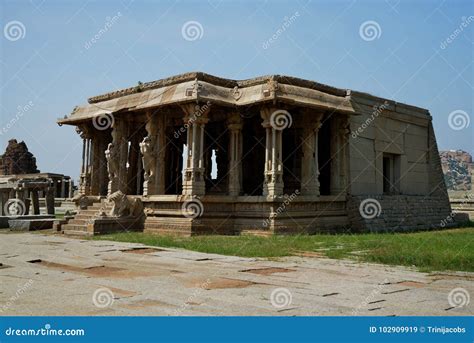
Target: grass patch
428,251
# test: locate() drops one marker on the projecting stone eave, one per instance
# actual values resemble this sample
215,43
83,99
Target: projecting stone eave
201,88
218,81
255,91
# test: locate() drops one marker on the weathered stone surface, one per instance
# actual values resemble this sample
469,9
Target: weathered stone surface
178,282
17,159
268,155
4,220
21,224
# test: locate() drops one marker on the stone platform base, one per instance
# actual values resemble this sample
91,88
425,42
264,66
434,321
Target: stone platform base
4,220
399,213
255,215
21,224
103,226
266,216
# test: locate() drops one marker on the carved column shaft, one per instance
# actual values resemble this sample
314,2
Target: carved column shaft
235,154
273,182
153,154
35,201
95,164
310,166
193,178
84,186
339,153
117,155
49,198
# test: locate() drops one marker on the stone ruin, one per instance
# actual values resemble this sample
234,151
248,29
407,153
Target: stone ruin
23,189
17,159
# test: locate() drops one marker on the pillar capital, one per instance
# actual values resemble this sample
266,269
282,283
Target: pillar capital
234,121
312,119
196,113
84,131
266,114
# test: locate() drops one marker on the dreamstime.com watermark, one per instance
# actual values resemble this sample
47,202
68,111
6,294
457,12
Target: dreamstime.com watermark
282,207
192,208
370,208
450,218
109,22
465,21
192,30
281,298
189,301
459,297
370,30
14,208
103,297
198,112
287,22
281,119
458,120
46,331
377,110
370,298
21,111
103,121
19,292
14,30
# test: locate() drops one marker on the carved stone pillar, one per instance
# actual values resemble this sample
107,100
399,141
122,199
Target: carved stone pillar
95,164
35,201
310,166
339,151
196,116
71,189
133,161
273,172
116,155
152,149
49,198
84,181
234,125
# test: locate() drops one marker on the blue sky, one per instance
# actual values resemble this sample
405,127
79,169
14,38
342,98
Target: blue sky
49,68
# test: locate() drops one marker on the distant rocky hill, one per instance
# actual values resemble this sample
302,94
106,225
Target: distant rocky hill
17,159
458,169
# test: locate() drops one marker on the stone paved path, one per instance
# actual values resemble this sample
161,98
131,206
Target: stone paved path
53,275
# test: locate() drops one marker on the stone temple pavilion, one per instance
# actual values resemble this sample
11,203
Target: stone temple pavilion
267,155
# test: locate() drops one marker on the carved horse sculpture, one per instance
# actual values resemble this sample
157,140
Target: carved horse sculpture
111,154
147,150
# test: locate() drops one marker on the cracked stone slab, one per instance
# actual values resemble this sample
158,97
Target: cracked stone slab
141,280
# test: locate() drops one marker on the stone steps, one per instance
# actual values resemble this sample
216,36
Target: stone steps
77,233
75,227
78,225
80,221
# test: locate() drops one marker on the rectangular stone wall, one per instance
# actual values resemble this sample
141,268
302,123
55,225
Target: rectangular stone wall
401,130
398,213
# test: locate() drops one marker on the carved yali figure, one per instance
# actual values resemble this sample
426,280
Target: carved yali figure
147,150
111,154
124,206
80,201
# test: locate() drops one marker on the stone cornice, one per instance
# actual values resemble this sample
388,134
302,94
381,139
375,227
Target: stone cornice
199,87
